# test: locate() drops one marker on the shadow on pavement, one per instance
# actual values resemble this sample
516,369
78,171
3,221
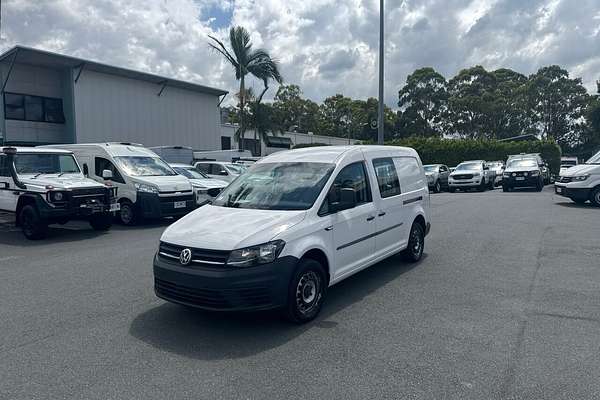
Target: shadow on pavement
12,235
213,336
570,204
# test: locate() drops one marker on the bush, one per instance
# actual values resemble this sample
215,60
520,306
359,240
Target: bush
302,145
454,151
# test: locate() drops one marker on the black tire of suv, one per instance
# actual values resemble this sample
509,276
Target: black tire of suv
451,189
101,222
416,244
34,228
127,215
482,187
540,186
306,293
595,197
505,188
437,187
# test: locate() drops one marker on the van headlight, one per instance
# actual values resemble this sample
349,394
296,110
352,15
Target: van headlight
142,187
256,255
580,178
55,196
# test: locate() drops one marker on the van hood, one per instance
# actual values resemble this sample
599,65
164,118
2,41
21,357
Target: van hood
209,183
224,228
175,183
67,181
581,169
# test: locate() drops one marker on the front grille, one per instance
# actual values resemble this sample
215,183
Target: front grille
565,179
214,192
214,298
172,199
200,257
463,176
89,196
88,192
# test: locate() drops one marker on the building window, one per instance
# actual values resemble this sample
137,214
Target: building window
33,108
225,143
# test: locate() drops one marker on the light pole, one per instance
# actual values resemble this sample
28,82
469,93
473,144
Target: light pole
380,122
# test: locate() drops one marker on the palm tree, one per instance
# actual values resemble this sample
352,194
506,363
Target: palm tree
246,61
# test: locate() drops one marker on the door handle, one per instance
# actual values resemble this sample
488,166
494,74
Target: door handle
371,218
329,228
381,214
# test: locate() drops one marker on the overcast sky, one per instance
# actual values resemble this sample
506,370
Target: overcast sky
325,46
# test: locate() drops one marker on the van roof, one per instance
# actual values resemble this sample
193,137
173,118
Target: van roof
332,154
40,150
113,149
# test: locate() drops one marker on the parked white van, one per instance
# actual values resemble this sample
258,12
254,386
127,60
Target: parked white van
292,225
147,187
224,171
581,182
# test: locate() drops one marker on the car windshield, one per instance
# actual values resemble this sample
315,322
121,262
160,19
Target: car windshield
236,169
468,167
144,166
568,163
522,163
430,168
45,164
190,173
277,186
595,159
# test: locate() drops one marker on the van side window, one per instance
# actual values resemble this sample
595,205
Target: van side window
411,177
101,164
354,176
387,178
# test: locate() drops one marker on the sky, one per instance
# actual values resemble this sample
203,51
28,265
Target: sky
324,46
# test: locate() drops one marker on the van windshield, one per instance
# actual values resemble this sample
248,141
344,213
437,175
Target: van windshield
144,166
277,186
45,164
522,163
594,160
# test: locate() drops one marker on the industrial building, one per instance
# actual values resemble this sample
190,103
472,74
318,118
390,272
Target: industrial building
51,98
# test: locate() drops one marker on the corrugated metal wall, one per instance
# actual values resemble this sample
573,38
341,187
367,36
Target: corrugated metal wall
113,108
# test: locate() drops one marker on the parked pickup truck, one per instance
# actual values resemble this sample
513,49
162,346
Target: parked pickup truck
45,186
472,175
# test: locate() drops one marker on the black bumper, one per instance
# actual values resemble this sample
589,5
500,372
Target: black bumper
572,193
527,182
71,209
151,205
225,289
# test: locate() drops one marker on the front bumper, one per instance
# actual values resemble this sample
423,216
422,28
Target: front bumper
76,206
151,205
225,289
571,192
466,183
529,181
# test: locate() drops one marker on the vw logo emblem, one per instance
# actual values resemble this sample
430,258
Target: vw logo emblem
185,256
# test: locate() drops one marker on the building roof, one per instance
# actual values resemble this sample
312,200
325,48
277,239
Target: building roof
31,56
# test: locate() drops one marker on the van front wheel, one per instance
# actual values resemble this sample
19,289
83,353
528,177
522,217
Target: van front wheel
306,292
127,214
416,244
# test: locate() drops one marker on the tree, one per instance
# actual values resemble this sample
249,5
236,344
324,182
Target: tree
557,104
337,117
293,112
246,61
423,102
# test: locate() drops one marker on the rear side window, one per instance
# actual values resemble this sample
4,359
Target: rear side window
409,173
205,168
387,178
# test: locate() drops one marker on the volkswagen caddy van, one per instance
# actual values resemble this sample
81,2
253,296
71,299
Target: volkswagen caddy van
294,224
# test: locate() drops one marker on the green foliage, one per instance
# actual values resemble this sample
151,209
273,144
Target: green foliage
303,145
454,151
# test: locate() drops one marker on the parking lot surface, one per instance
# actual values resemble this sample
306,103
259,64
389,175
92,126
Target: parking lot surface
503,305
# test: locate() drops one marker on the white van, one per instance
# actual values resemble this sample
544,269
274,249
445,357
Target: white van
294,224
147,187
581,182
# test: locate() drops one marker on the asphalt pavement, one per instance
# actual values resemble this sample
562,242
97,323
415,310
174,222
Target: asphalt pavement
504,305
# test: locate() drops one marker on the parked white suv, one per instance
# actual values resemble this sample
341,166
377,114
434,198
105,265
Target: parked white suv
581,182
224,171
471,175
294,224
46,186
206,188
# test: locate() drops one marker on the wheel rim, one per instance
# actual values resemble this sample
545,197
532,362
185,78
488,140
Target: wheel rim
597,198
126,214
417,245
308,292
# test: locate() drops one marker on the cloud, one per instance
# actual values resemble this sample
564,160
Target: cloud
325,46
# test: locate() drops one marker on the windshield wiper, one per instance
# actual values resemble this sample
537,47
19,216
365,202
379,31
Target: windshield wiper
36,175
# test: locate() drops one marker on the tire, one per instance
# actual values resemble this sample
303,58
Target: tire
505,188
482,186
595,197
540,186
34,228
101,222
451,189
437,187
416,244
306,293
127,215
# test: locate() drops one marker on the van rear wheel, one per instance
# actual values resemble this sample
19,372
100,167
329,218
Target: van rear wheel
416,244
306,292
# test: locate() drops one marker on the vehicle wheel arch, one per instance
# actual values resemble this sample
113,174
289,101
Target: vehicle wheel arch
420,219
319,256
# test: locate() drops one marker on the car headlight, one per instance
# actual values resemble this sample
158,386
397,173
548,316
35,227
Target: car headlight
142,187
580,178
475,174
256,255
514,174
57,196
535,173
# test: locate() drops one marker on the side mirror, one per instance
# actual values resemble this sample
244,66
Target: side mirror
344,199
223,172
107,174
486,168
